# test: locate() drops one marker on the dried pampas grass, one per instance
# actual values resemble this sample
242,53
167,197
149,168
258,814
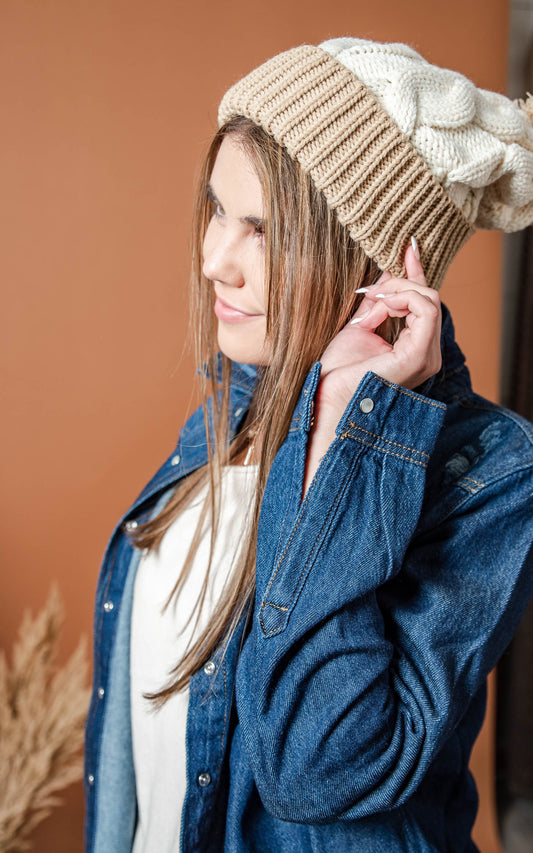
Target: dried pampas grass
42,713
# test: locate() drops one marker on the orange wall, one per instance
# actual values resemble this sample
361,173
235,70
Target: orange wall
107,106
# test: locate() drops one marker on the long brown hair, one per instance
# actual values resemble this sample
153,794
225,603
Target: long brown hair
312,270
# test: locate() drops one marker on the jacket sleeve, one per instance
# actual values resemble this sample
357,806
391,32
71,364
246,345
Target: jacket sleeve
372,631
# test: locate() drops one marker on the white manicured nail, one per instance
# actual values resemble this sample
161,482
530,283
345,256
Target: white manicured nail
358,319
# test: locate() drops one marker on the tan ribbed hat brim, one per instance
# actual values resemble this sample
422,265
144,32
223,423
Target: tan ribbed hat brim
377,183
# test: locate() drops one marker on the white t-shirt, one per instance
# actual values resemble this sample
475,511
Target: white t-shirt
158,643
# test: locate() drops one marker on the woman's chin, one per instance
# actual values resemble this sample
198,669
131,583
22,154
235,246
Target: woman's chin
244,351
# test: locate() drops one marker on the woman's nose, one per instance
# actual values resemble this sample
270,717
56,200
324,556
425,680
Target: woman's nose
221,260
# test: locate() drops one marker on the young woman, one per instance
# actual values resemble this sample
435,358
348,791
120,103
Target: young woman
295,620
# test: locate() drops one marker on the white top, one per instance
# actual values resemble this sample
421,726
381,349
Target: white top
158,643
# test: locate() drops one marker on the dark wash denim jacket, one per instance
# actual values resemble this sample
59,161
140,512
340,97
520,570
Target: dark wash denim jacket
343,717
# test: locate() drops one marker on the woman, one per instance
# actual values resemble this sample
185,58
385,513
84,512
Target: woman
296,618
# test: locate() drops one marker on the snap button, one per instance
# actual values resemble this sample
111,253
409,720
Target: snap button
108,606
131,525
204,779
100,692
366,405
175,459
209,668
90,779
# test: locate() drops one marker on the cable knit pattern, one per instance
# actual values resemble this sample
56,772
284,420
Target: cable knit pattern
478,144
371,176
388,138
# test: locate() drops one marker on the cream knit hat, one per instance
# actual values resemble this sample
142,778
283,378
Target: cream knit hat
398,146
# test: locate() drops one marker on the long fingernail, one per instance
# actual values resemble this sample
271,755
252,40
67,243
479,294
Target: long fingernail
363,290
358,319
414,245
385,295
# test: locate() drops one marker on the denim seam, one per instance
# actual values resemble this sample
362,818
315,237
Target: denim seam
413,396
298,521
467,487
305,567
293,476
476,482
306,564
265,602
384,450
380,508
223,738
472,494
388,440
508,475
471,489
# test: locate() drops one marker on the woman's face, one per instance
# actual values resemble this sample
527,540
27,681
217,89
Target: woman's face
233,255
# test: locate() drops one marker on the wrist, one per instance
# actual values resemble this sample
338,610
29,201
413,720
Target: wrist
332,397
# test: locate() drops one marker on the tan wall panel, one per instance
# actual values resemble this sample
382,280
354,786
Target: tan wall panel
107,107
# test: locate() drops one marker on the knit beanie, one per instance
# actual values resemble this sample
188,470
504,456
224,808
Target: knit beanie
399,147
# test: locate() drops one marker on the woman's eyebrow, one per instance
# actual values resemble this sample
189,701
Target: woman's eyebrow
256,221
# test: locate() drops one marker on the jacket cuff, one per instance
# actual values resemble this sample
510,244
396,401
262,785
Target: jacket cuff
392,419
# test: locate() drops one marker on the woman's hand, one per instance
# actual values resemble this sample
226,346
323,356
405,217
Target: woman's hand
413,358
357,348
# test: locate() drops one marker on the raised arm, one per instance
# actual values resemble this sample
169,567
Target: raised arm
384,597
358,349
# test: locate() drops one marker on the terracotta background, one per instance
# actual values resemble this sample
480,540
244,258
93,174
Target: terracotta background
106,109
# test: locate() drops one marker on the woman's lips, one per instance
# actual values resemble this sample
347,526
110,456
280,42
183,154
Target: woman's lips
229,314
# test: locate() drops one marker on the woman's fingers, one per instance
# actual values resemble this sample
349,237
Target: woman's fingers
416,353
422,315
415,279
396,303
397,285
413,266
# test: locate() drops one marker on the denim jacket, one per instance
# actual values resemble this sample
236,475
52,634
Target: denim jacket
342,716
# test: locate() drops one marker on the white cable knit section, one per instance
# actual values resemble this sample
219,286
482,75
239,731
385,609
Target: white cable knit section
478,144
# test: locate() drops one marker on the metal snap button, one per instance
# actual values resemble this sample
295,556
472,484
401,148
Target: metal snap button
210,667
204,779
366,405
175,459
